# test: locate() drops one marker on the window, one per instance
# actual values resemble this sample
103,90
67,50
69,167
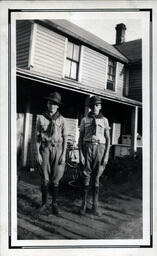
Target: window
72,61
126,82
111,75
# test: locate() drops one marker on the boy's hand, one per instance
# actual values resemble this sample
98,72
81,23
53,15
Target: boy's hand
82,159
39,158
61,159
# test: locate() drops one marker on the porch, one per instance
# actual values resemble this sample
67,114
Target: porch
125,119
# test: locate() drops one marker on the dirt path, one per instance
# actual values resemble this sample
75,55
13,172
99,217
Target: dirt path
121,214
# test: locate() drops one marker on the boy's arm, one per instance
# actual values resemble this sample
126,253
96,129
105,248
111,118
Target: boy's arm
106,154
80,142
64,144
107,150
38,142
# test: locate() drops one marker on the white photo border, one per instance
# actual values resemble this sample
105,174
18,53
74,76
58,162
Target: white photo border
22,14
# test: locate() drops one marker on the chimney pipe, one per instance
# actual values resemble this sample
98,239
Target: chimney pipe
120,33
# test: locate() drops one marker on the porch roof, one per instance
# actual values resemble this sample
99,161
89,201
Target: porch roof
66,84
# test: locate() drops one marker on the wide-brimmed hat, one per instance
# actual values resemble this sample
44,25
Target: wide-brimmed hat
94,100
54,97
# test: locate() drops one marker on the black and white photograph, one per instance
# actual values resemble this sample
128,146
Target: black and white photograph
79,128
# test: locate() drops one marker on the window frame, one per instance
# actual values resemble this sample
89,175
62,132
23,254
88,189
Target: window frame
114,82
126,82
72,60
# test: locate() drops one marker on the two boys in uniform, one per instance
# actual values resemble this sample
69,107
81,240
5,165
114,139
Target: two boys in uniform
94,143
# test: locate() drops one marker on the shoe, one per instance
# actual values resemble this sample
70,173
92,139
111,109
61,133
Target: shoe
55,210
96,212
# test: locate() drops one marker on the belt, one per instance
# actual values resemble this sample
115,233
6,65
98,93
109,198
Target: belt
50,143
95,142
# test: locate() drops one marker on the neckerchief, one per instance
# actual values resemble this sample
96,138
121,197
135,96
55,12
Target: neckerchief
94,117
50,128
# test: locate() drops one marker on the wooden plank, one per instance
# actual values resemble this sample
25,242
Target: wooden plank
49,32
49,39
36,230
50,49
48,61
22,43
47,69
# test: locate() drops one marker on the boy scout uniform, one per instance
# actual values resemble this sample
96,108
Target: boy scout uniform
51,133
92,134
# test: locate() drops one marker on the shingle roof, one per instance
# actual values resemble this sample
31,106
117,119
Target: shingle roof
132,50
83,35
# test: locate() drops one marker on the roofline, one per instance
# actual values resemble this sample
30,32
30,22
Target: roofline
130,62
126,42
65,32
36,77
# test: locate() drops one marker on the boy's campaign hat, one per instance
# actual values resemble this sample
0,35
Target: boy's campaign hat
94,100
54,97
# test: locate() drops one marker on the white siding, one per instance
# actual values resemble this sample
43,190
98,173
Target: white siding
93,69
49,53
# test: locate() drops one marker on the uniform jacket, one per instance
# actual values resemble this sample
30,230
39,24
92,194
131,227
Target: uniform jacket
86,129
51,130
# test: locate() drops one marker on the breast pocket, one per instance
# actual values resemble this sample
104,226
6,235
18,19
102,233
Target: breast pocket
100,129
58,130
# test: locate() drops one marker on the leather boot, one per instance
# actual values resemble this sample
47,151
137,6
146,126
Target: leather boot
95,209
84,201
55,209
44,191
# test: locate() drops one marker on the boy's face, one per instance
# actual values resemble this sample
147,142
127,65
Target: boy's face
52,107
96,108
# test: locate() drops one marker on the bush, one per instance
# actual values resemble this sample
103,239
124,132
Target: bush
124,169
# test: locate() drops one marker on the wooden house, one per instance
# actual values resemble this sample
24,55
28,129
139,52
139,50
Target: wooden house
56,55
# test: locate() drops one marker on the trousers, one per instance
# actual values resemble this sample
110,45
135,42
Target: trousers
93,168
51,171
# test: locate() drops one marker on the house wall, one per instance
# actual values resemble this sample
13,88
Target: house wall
94,67
48,56
23,34
49,52
135,83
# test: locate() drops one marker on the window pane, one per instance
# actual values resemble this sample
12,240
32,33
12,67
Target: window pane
76,52
110,85
68,68
73,70
111,72
70,50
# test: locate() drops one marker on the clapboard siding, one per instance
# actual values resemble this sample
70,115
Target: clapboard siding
93,69
23,32
135,84
49,52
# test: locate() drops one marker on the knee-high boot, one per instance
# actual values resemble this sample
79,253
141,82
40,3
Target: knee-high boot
44,191
84,200
95,208
55,208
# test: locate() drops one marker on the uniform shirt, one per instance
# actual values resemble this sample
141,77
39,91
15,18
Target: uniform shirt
86,129
43,131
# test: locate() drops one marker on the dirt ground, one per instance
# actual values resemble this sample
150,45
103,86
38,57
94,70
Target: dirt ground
121,207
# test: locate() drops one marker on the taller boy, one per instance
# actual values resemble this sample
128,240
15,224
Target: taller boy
51,148
94,144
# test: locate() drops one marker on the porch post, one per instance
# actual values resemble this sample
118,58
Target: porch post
86,109
134,122
26,134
